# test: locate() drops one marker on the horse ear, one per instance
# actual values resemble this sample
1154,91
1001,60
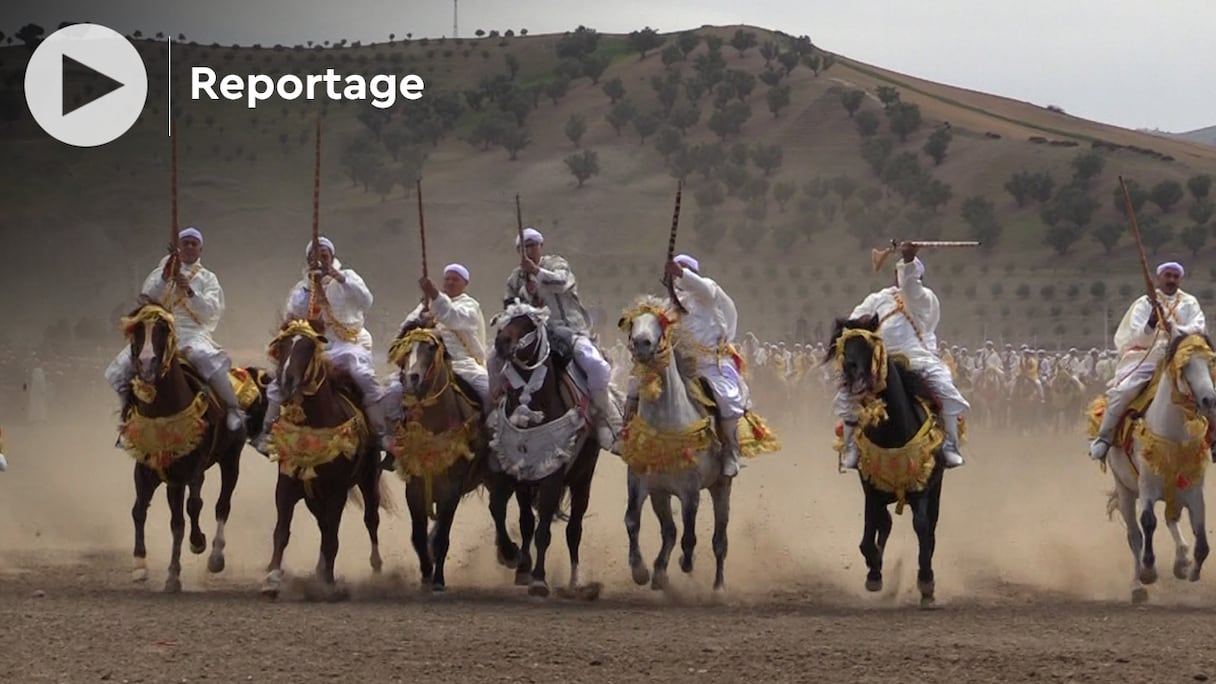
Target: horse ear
870,323
495,319
323,339
623,323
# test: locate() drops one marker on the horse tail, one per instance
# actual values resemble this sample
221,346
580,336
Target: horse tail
354,497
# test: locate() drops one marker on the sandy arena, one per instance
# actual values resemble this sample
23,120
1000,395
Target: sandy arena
1032,583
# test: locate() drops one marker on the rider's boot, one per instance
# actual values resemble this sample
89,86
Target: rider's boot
728,433
261,443
851,455
234,417
950,446
1115,407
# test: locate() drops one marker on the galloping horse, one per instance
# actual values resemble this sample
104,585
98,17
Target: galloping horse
323,447
441,447
1025,406
544,439
1067,394
670,447
1166,461
991,398
174,428
900,444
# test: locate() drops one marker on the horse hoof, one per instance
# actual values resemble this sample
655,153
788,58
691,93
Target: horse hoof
640,575
199,547
873,585
1182,569
686,563
659,582
173,585
509,560
215,564
438,588
272,594
1139,595
925,588
522,578
538,588
139,575
927,601
1148,575
1194,576
585,592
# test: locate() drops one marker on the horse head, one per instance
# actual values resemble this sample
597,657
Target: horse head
647,325
297,350
859,354
149,330
419,354
523,336
1190,359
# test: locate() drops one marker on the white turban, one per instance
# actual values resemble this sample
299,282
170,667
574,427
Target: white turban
191,232
531,235
687,261
1171,265
324,242
458,270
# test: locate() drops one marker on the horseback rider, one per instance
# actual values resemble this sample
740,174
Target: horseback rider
457,317
343,300
708,330
988,359
908,314
1029,369
546,280
194,296
1142,341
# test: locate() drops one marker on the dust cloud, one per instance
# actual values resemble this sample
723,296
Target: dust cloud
1023,520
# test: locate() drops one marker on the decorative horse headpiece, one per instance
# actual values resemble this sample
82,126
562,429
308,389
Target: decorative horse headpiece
151,313
646,304
878,354
539,316
399,350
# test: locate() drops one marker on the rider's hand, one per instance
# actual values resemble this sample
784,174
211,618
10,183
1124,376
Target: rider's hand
908,250
428,288
673,270
529,266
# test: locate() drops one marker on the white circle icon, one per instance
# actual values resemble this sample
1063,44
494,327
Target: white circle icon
107,60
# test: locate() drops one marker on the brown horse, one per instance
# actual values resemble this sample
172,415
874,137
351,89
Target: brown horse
441,448
323,447
175,429
544,441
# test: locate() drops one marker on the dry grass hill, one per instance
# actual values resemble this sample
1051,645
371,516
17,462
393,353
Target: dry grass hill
791,241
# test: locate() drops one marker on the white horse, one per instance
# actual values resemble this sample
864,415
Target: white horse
1166,463
671,412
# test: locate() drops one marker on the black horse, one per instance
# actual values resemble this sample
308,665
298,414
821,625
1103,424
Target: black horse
904,395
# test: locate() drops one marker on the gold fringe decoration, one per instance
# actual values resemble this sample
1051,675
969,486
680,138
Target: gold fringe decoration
300,450
647,450
755,436
422,453
903,469
159,442
244,386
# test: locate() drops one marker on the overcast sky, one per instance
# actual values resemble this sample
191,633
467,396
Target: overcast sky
1133,63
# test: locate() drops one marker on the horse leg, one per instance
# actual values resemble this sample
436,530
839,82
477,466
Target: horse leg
369,487
924,522
1148,522
689,503
330,521
1135,539
527,530
1182,552
720,494
230,469
442,534
146,483
287,493
661,503
633,524
550,495
194,508
418,530
1197,512
500,495
580,499
176,495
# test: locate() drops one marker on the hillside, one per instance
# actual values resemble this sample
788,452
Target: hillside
1203,136
83,227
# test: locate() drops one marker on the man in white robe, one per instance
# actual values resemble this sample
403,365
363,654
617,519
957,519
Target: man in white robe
1142,340
343,302
194,296
908,313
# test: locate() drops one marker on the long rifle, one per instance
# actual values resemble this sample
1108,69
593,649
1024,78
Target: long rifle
1150,288
519,228
671,250
173,258
426,303
314,310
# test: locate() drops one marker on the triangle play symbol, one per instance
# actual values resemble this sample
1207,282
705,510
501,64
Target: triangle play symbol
107,84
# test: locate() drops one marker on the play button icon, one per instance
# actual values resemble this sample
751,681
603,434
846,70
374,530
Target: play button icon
86,54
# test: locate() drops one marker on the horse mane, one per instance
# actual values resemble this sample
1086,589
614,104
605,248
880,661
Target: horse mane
841,324
649,300
914,384
1173,346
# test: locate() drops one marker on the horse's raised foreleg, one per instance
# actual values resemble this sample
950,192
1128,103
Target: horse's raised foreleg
441,536
527,531
146,483
580,499
500,495
720,494
230,469
414,500
1148,523
690,502
1197,511
661,503
176,495
549,497
194,508
287,493
633,524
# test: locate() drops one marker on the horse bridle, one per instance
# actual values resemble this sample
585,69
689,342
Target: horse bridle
537,336
314,374
398,354
154,315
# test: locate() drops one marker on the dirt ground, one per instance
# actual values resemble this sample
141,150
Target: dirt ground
1032,584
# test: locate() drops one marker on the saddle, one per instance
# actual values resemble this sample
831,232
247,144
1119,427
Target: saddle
1136,408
